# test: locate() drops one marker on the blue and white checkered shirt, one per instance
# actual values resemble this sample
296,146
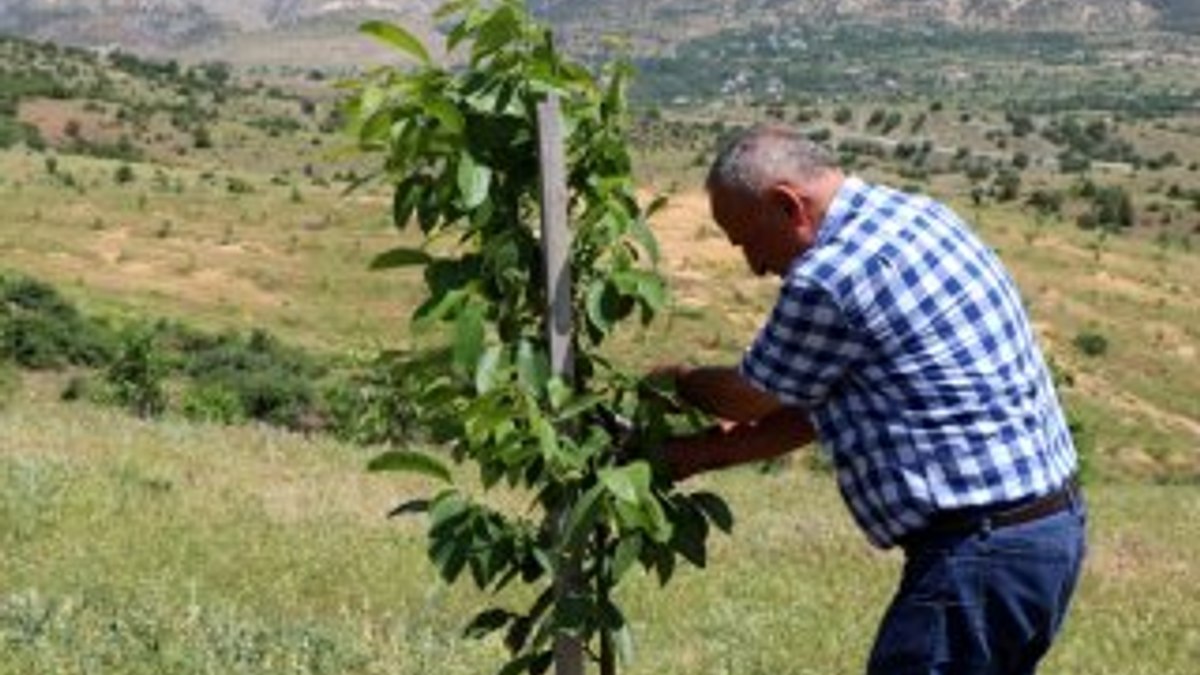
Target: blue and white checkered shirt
904,337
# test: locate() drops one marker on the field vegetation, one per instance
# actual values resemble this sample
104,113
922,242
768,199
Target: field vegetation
185,232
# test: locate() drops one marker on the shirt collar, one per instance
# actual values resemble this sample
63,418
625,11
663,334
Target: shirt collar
842,208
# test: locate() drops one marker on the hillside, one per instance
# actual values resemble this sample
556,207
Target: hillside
312,32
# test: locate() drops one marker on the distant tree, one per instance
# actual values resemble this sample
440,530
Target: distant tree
843,115
1113,207
893,119
1007,185
124,175
1021,124
1046,202
217,73
201,138
1071,161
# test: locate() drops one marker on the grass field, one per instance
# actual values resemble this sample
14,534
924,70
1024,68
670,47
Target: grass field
134,547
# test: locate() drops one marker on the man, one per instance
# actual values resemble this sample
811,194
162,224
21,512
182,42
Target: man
899,341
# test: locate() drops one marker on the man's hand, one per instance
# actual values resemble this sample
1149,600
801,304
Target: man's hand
719,391
778,433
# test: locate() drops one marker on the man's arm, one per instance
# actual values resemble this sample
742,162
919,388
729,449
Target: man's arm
722,392
778,433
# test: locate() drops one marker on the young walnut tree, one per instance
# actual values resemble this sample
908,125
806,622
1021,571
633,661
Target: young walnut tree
460,145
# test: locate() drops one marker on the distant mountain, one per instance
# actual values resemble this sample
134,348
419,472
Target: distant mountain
653,20
651,25
154,25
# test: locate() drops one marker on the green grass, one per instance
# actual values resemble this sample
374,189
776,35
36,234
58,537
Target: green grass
133,547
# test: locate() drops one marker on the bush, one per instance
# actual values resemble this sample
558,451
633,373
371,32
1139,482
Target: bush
123,175
213,403
137,373
272,382
374,405
40,330
1091,343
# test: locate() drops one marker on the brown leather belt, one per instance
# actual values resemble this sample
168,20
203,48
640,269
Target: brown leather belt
966,521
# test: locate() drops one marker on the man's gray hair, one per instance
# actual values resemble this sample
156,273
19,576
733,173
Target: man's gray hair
765,155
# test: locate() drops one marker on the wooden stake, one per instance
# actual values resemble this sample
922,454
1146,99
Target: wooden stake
556,246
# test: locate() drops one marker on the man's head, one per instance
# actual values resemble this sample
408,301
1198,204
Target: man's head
769,189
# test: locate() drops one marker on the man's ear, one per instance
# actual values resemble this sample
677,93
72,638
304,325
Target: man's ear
790,203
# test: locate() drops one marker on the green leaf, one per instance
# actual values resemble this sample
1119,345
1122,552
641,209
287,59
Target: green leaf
628,550
629,483
440,307
582,516
468,339
657,204
499,30
487,370
716,509
474,180
401,257
690,535
404,202
451,8
579,405
446,511
412,462
395,36
450,558
547,440
410,506
541,663
529,663
559,394
447,114
487,622
645,238
602,305
533,367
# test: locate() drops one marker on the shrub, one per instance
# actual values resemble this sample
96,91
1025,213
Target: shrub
213,403
38,329
137,374
1007,185
272,382
123,175
1091,343
376,404
238,186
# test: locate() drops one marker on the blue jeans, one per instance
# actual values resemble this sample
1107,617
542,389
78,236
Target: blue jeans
987,602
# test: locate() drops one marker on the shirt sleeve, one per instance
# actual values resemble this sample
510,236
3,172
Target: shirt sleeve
806,347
